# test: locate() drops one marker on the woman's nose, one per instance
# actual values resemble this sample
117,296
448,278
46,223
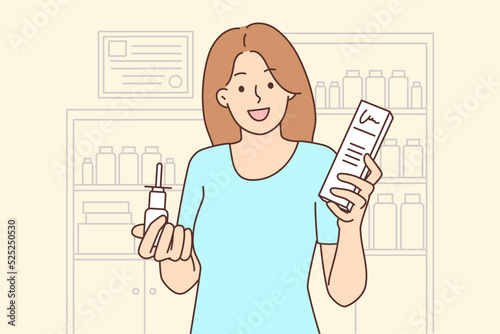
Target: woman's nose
256,94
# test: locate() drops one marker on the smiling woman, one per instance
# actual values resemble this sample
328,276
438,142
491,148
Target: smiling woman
275,66
239,242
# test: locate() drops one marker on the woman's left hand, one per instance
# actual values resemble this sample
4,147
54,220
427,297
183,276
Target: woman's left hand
353,219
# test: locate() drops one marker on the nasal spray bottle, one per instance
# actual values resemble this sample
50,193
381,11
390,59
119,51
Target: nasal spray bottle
157,202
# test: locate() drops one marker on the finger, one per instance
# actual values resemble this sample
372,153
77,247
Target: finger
351,196
146,250
365,187
164,242
174,252
337,211
188,244
375,172
138,231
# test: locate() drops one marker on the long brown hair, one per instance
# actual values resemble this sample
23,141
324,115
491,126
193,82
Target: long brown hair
300,117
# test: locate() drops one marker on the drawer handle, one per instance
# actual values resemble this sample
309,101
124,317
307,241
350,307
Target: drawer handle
152,291
135,291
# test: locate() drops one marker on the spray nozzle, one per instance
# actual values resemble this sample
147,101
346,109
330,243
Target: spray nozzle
159,172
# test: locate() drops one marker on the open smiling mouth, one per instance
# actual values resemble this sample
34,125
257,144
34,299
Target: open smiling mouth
259,114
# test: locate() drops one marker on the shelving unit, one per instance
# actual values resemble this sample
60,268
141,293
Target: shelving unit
143,301
392,273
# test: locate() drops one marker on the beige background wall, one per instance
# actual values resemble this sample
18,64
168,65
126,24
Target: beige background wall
56,69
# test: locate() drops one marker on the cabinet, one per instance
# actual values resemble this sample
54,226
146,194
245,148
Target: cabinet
109,285
128,296
109,294
396,289
393,70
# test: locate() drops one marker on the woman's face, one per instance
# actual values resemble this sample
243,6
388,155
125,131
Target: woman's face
254,99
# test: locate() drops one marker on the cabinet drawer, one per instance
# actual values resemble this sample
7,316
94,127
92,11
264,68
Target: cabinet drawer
109,296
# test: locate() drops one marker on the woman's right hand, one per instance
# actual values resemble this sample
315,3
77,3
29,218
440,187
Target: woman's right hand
179,266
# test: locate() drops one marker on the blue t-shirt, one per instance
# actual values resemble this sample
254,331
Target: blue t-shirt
255,240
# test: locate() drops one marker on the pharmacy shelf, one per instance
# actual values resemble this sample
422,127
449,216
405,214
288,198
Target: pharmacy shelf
395,252
350,111
368,252
87,257
117,187
403,180
135,256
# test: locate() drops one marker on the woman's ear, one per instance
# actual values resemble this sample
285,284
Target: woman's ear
221,97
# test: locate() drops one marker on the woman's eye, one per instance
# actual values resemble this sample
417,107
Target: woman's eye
270,85
241,89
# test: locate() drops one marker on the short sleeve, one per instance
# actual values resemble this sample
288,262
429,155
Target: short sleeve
326,224
192,192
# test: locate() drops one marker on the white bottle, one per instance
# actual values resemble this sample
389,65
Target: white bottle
398,89
384,223
352,89
412,222
157,202
416,95
390,158
320,95
105,162
375,88
128,166
169,171
413,159
87,171
149,159
334,95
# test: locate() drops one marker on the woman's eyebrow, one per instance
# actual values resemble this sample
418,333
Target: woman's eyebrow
235,74
269,69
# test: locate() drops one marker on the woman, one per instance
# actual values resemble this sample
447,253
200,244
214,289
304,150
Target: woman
250,204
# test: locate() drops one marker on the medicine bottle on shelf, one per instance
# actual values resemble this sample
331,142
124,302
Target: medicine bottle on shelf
149,159
416,95
105,165
412,222
320,94
390,158
413,159
384,222
352,87
334,95
128,166
398,89
169,171
87,171
375,88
